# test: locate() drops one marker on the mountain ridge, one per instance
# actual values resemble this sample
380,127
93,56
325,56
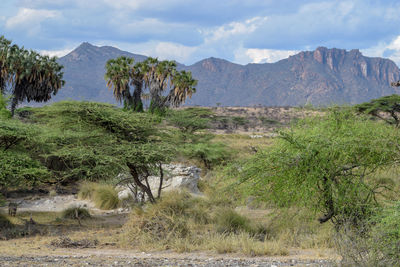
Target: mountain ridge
319,77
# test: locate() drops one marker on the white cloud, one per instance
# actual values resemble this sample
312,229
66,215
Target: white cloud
56,53
234,28
138,4
268,55
30,19
389,50
174,51
253,55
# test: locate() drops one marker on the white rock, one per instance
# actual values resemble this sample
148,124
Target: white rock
176,176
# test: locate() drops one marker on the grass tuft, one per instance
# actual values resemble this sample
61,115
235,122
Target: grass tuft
106,197
87,189
73,212
229,221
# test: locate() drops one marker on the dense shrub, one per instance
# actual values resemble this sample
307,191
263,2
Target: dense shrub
229,221
326,163
385,236
74,212
210,154
4,113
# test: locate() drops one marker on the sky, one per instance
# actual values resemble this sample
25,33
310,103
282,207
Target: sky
241,31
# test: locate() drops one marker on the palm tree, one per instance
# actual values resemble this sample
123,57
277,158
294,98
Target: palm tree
118,76
4,68
152,75
35,77
30,76
183,86
120,73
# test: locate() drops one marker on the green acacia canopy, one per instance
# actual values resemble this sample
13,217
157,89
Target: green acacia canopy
386,108
327,163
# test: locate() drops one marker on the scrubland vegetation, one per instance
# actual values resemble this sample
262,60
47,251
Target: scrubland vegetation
328,181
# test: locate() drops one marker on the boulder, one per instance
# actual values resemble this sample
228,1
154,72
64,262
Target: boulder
176,177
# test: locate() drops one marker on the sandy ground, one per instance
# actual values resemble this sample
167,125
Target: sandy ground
118,257
55,204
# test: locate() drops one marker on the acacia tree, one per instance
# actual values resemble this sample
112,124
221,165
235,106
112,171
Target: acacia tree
326,163
29,75
386,108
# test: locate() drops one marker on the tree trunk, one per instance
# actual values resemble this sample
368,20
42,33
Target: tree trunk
137,97
14,103
161,180
145,189
156,102
328,201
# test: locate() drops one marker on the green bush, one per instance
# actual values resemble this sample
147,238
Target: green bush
73,212
4,113
385,236
189,120
210,154
326,163
19,169
229,221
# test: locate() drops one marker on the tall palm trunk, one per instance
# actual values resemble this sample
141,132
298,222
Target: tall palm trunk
14,103
137,96
156,101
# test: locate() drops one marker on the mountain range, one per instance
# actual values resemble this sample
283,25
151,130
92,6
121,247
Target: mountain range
319,77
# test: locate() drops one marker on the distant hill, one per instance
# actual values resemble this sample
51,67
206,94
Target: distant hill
323,76
84,70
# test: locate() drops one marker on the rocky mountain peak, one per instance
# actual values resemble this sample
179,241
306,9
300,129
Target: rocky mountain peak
322,76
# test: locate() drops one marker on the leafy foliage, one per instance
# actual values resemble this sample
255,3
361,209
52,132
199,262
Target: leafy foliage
193,141
4,113
209,153
385,236
326,163
388,105
97,141
152,75
20,169
32,77
189,120
17,164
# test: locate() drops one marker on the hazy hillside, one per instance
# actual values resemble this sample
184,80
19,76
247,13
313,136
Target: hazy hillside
84,72
322,76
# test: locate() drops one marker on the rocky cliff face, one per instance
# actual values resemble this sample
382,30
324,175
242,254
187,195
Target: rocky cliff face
323,76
